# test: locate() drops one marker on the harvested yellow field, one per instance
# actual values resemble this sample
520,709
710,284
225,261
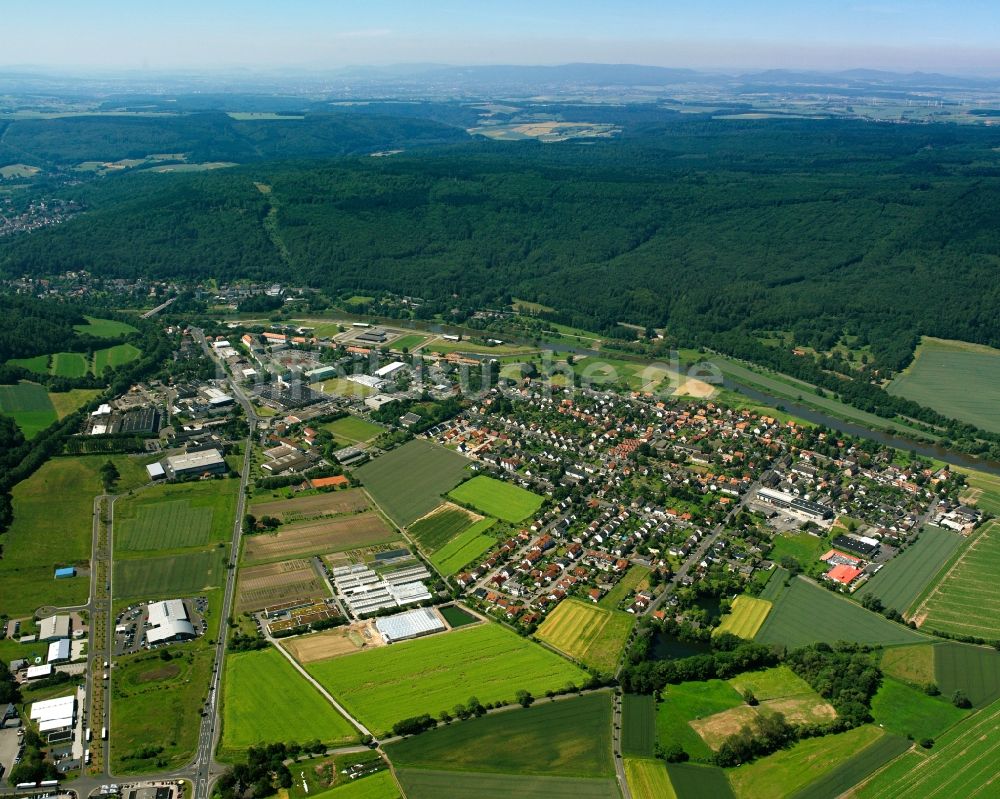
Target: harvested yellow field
746,618
593,635
648,779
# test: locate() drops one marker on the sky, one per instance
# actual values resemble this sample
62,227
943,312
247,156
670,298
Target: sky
955,36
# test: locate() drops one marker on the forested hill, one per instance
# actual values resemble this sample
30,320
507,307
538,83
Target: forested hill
212,136
820,227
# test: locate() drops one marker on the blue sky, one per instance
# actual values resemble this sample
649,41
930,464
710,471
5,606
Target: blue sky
956,36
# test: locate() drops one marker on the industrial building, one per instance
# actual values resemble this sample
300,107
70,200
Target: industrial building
209,461
54,715
53,628
867,547
411,624
168,621
387,372
376,402
59,651
782,499
321,373
293,461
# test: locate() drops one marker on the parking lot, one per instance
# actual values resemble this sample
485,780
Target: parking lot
131,625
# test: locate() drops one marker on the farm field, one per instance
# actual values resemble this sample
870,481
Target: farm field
497,498
692,781
255,685
962,763
329,643
958,379
156,704
638,725
904,578
118,355
428,675
908,711
806,614
421,784
912,664
965,601
332,503
381,785
438,528
569,738
593,635
690,701
626,585
983,490
408,482
104,328
66,402
53,527
172,516
319,536
69,364
30,406
972,669
852,771
176,575
648,779
464,548
746,617
273,583
789,770
354,429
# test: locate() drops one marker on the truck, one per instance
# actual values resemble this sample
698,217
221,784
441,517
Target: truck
104,733
89,733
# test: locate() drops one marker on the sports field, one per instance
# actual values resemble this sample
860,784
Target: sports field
568,738
958,379
173,516
806,614
174,575
975,670
497,498
464,548
438,528
408,482
790,770
421,784
29,405
690,701
593,635
908,711
104,328
965,600
53,513
648,779
903,579
382,686
118,355
319,536
266,700
963,763
354,429
638,725
746,617
632,579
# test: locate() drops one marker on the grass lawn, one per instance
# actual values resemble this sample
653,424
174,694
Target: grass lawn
972,669
408,342
962,763
172,516
746,617
29,405
790,770
913,664
174,575
118,355
908,711
807,614
342,387
381,785
958,379
157,703
104,328
353,428
804,547
68,401
638,725
496,498
689,701
435,530
593,635
53,526
384,685
464,548
624,587
267,700
425,784
904,578
965,601
408,482
648,779
569,738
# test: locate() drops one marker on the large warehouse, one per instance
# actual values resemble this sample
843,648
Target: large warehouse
168,621
209,461
411,624
54,714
